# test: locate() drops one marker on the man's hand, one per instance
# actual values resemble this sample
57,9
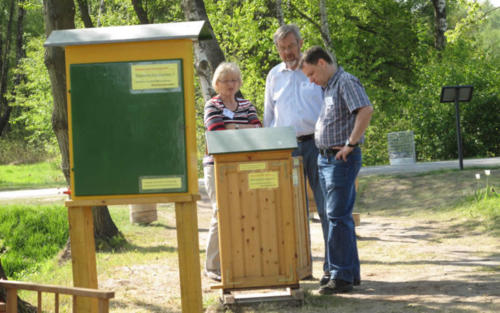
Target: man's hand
343,153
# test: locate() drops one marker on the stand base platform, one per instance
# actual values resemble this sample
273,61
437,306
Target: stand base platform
294,296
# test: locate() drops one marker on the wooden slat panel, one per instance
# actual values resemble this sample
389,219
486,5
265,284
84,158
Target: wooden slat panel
304,264
228,206
236,217
287,213
256,226
310,197
251,228
269,243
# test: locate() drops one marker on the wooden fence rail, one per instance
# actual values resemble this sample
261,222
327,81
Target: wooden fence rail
12,287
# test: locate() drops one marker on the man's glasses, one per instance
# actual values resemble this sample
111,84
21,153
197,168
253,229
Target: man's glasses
227,81
290,47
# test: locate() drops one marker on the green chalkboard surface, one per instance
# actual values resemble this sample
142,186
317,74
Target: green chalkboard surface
128,139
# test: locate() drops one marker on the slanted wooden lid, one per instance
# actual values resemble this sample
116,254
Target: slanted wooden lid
197,30
251,140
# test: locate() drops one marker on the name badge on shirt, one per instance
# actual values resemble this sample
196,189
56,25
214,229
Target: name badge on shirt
328,100
228,113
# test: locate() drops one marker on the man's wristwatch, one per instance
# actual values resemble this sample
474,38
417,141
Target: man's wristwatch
347,143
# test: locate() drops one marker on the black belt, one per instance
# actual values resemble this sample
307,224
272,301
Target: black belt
305,138
328,152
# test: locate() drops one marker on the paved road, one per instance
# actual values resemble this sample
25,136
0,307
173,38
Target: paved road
429,166
57,193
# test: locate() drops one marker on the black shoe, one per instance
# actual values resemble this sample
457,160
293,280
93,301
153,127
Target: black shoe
324,280
356,282
309,277
335,286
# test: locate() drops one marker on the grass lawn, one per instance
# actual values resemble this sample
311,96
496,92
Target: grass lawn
29,176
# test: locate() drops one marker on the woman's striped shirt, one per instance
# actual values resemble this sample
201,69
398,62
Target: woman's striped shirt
217,115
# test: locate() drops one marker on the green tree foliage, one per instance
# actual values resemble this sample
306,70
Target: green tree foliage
244,31
388,44
467,60
33,97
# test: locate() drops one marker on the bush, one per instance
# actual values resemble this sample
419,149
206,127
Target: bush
29,236
18,151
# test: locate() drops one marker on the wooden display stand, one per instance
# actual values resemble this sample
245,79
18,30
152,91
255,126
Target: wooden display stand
263,227
132,136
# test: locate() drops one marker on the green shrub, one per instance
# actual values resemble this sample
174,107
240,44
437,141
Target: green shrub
19,151
30,235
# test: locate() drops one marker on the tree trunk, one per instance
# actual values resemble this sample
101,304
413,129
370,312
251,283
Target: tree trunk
84,12
322,26
325,31
279,13
20,52
141,13
59,14
102,8
105,231
440,26
208,53
22,306
5,109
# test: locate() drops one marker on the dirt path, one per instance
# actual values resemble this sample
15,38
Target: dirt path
430,263
407,264
412,265
425,266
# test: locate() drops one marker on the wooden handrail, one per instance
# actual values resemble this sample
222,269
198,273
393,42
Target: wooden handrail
102,296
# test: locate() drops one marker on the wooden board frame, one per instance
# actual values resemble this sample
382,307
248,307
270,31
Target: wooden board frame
141,51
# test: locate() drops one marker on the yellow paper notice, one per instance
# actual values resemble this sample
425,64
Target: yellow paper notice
155,76
161,183
262,180
254,166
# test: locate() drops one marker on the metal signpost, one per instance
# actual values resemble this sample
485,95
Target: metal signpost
457,94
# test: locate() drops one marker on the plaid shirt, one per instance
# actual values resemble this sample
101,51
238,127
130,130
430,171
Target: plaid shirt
343,96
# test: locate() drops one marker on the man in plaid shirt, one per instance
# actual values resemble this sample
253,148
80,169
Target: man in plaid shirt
340,128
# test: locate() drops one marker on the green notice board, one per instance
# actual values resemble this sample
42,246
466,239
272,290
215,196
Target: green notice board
128,128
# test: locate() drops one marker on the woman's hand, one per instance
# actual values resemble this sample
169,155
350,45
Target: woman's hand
240,126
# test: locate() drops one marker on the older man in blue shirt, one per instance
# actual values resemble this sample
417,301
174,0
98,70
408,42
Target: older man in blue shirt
291,100
344,117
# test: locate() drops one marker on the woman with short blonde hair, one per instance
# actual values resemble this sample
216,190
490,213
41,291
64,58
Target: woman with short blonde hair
223,69
224,111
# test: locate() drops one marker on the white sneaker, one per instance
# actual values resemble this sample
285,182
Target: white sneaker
213,275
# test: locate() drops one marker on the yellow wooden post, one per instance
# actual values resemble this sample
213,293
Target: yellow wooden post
189,256
81,230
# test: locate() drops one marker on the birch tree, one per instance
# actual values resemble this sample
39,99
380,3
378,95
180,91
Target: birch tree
208,53
440,25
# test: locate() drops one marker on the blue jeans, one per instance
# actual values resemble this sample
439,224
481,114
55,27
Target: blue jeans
337,182
309,152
